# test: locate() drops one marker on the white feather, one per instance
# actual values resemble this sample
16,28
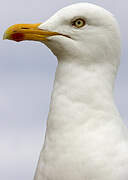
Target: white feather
85,139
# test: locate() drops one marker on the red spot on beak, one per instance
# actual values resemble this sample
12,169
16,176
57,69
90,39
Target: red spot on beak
17,37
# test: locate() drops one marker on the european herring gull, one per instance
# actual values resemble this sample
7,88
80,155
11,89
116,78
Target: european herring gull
86,138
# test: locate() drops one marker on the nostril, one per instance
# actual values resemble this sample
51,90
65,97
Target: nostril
24,28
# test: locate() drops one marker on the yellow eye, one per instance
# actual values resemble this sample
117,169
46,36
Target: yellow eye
79,23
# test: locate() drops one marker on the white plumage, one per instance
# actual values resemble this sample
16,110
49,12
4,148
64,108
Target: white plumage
86,138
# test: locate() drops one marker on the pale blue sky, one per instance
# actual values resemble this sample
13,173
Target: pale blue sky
26,78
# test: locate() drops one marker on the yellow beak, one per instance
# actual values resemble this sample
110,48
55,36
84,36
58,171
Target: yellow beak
21,32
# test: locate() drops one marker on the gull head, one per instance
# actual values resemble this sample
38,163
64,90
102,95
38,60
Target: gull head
82,32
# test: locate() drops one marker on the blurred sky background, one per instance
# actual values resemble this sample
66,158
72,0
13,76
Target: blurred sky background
26,78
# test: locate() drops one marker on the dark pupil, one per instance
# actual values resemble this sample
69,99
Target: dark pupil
79,22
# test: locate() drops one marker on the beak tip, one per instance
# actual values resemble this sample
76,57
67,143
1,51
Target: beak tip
5,36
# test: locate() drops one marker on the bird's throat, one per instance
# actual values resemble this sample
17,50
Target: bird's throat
82,110
82,95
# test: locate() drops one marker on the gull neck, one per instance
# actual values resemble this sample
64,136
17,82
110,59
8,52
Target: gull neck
82,94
